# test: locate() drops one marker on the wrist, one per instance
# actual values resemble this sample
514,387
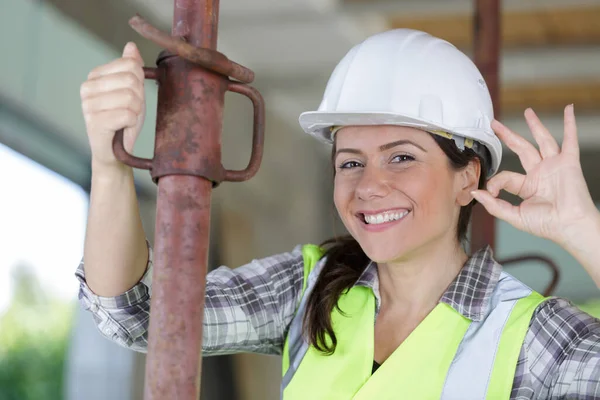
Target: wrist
104,173
583,235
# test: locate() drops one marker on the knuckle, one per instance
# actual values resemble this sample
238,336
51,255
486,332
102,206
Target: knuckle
87,89
129,117
128,94
85,106
83,89
130,79
130,97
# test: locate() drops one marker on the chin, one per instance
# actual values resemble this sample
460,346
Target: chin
384,249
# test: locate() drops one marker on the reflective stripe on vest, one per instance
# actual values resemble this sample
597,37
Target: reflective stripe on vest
446,357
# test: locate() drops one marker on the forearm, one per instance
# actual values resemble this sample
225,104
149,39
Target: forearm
115,252
584,245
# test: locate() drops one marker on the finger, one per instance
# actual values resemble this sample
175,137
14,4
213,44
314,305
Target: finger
113,120
512,182
570,142
125,64
499,208
109,83
542,136
121,98
528,154
130,50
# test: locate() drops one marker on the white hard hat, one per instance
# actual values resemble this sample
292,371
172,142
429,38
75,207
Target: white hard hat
408,78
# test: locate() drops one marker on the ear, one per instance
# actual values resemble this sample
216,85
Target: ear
467,181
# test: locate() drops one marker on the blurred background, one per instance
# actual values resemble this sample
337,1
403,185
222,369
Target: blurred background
49,348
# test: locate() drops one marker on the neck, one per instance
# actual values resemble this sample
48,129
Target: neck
414,284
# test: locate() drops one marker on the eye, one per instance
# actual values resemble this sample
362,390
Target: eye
402,158
350,165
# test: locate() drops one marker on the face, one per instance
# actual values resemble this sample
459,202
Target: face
396,192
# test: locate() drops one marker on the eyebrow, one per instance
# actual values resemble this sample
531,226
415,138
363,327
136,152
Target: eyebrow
383,147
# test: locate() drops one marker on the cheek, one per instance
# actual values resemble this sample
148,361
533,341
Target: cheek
342,194
435,195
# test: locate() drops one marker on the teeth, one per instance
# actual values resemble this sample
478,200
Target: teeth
384,217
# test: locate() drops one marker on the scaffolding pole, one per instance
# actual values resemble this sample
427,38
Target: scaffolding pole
486,43
192,78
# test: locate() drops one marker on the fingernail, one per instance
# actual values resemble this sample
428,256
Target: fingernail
477,197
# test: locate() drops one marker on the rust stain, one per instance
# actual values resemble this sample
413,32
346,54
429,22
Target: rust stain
192,78
486,54
205,57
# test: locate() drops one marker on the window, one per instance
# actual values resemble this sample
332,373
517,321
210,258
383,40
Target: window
42,227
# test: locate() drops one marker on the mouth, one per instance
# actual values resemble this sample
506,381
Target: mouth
380,218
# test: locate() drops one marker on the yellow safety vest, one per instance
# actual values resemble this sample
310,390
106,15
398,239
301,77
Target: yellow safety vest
425,366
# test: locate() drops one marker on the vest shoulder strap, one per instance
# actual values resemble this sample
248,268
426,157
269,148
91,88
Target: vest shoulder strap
511,343
311,254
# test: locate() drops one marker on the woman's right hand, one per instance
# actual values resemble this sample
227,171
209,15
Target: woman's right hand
113,98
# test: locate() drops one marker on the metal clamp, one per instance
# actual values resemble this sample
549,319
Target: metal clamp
216,62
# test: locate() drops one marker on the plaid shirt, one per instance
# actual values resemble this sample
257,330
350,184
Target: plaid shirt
248,309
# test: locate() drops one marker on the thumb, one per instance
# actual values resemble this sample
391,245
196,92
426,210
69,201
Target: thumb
131,51
498,208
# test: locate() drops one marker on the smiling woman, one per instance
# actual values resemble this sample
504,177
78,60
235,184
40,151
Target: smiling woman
385,169
398,309
409,187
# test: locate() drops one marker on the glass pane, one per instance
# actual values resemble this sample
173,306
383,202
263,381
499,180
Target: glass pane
42,226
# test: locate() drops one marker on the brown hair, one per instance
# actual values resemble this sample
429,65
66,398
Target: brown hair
346,260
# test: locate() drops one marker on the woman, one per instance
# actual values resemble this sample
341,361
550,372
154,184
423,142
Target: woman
398,309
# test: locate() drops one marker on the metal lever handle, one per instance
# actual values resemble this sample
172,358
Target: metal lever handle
118,145
258,134
207,58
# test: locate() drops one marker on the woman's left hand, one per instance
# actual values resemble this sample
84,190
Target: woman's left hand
556,201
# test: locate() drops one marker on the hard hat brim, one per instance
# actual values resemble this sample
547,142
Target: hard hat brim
319,124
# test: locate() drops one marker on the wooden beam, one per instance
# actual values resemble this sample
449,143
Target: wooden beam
550,97
542,27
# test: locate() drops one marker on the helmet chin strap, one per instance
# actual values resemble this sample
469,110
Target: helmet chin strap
462,143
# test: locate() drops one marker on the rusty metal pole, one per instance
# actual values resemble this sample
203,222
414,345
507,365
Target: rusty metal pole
193,78
487,44
487,55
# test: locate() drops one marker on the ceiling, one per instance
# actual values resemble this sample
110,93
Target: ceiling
551,54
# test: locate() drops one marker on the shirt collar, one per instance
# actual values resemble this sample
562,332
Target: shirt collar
469,293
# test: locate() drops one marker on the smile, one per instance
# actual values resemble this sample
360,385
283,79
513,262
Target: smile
383,217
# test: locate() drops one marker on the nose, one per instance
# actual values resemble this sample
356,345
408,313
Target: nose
372,184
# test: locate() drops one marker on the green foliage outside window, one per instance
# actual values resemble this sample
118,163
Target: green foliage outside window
34,335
